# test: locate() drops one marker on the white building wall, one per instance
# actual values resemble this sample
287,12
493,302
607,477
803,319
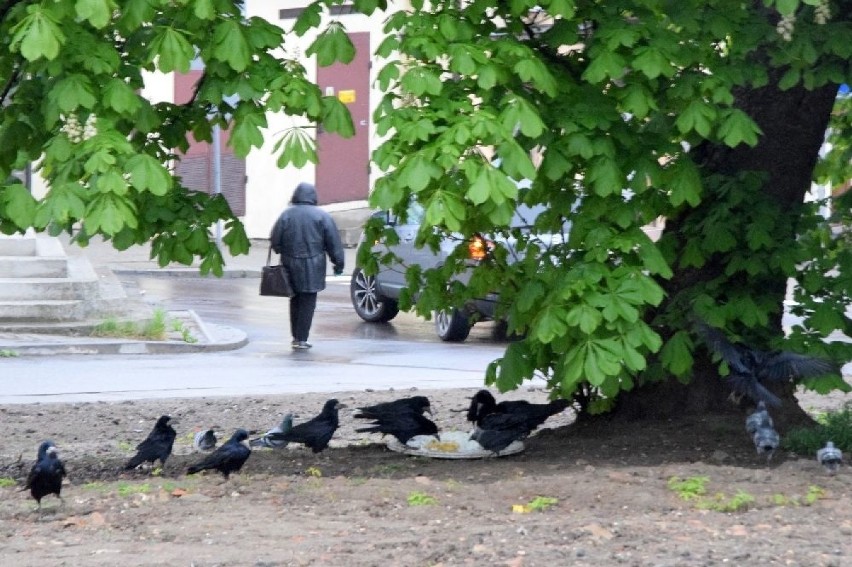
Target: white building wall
269,188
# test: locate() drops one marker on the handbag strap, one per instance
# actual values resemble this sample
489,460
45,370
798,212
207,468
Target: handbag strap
269,254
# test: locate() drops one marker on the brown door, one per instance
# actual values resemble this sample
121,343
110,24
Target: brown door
343,168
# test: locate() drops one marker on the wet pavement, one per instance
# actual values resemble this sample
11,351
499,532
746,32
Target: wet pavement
249,350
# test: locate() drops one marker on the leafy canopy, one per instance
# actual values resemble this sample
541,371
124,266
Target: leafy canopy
71,72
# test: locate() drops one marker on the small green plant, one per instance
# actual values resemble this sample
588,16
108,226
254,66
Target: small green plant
125,446
187,336
782,500
6,482
313,472
421,499
94,486
720,502
814,493
8,353
835,426
152,329
125,489
691,488
542,503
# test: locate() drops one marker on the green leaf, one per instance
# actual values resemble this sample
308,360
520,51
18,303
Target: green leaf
786,7
514,367
605,64
421,81
652,63
676,354
146,173
120,97
332,45
683,183
170,50
246,132
231,46
72,92
38,35
697,116
97,12
204,9
19,204
336,117
299,148
584,316
418,171
605,176
109,213
549,324
738,127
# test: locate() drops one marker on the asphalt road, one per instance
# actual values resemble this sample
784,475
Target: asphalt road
348,353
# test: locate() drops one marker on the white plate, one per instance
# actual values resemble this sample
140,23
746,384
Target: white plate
465,448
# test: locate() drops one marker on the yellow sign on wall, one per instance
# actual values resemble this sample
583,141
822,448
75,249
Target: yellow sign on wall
346,97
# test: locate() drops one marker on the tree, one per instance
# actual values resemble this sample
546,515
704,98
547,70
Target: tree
70,76
707,114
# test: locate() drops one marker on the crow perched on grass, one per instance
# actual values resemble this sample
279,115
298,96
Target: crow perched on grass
204,440
283,427
316,432
228,458
158,445
46,474
752,369
384,410
403,426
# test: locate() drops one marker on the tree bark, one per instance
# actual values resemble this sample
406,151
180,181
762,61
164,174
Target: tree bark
793,124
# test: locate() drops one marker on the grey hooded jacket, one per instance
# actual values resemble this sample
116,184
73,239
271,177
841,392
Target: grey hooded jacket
303,235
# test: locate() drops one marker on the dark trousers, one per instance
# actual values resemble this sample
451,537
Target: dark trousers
302,306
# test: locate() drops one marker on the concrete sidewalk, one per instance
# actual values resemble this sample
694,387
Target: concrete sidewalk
109,263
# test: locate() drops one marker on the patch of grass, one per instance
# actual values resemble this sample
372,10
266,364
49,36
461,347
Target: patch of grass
125,446
691,488
125,489
814,493
314,472
5,482
720,502
8,353
542,503
153,329
421,499
94,486
835,426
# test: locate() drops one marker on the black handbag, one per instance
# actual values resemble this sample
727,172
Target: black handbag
275,280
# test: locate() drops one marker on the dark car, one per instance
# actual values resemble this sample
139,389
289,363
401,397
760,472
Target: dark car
375,297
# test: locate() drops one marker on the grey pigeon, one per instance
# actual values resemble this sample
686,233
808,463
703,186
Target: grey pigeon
204,440
46,474
766,441
830,457
273,438
759,418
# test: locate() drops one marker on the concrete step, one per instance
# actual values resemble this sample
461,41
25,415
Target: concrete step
22,289
43,310
17,246
33,266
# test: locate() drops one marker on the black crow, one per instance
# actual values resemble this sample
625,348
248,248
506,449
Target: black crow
316,432
283,427
524,413
752,369
158,445
46,474
228,458
830,457
414,404
495,440
403,426
204,440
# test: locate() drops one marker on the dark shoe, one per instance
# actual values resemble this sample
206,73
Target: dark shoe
302,345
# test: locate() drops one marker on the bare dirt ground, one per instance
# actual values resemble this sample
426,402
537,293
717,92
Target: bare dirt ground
600,494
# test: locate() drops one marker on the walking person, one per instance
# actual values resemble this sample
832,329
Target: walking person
303,235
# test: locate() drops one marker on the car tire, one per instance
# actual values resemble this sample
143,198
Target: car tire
368,303
452,326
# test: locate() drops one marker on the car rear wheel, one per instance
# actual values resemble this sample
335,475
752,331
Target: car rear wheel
368,304
452,325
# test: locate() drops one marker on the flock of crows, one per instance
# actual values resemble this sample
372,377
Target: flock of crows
495,427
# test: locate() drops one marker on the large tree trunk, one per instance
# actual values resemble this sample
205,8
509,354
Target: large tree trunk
793,124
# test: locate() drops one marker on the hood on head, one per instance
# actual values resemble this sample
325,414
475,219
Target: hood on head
305,193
